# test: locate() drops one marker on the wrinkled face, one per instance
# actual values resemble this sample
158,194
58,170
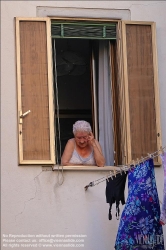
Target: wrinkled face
81,138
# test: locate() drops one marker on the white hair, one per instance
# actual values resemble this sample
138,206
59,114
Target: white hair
81,126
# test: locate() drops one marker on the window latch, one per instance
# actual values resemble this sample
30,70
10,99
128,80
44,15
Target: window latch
23,115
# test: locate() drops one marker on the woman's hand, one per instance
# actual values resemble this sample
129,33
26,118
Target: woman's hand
98,155
91,139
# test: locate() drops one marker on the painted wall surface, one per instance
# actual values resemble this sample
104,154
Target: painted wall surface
33,202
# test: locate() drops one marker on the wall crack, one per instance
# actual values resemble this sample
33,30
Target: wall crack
25,202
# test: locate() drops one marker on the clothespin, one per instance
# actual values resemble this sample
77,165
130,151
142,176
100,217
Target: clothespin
162,150
142,159
138,162
129,166
125,168
111,175
120,170
153,155
134,163
115,172
107,179
149,155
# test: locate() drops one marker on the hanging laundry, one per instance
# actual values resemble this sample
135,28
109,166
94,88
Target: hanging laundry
139,226
163,208
115,187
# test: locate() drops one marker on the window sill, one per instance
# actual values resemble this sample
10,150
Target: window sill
93,168
87,168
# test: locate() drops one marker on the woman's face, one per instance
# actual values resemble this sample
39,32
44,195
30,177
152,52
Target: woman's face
81,138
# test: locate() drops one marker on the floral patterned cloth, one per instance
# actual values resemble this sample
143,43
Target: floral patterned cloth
163,208
139,226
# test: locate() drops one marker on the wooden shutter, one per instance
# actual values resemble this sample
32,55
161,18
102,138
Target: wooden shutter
140,94
35,91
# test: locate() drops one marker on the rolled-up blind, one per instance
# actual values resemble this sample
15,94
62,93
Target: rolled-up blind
83,30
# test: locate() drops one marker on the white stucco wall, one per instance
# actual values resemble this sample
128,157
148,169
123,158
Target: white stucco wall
32,201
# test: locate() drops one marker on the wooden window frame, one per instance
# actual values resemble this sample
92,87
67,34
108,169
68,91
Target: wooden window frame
122,80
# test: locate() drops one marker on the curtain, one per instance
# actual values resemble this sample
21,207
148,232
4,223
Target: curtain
105,103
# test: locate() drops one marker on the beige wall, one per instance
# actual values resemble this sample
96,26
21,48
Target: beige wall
32,200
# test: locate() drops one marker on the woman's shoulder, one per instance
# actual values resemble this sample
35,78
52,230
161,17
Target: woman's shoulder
71,142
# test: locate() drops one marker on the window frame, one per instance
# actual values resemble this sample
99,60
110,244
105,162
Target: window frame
122,78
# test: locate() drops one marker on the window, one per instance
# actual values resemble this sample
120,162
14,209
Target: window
48,72
80,50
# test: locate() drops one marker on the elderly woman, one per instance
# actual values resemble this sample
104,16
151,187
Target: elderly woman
83,149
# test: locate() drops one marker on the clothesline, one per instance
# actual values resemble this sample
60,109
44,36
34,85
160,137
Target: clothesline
124,168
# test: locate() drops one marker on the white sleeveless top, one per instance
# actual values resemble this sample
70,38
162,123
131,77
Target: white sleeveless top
78,159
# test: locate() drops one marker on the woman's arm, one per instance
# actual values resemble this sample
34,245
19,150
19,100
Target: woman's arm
67,153
98,155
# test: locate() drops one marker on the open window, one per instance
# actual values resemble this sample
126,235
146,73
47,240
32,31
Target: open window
102,72
82,82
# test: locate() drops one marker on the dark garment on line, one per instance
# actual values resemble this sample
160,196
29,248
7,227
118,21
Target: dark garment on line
115,187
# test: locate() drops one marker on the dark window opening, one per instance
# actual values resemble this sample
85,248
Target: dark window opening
72,87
